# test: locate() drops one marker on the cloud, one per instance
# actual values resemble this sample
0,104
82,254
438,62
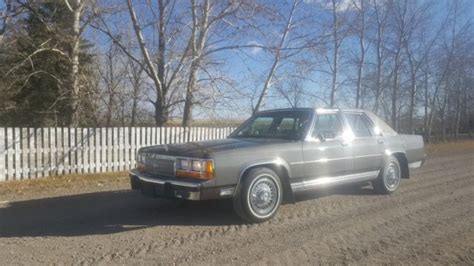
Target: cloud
255,50
341,5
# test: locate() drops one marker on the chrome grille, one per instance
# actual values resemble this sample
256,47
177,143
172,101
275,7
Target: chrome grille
159,164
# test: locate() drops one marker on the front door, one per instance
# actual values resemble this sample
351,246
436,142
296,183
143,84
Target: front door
325,153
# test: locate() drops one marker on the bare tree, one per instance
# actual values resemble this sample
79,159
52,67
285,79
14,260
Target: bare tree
81,19
401,20
360,6
135,77
277,54
337,38
381,15
112,75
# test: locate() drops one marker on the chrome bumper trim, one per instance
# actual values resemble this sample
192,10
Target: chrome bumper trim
147,178
189,195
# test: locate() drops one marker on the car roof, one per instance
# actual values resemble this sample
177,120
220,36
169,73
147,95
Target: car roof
314,109
286,109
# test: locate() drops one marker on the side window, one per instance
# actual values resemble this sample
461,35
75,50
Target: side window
327,125
287,126
287,123
261,126
359,125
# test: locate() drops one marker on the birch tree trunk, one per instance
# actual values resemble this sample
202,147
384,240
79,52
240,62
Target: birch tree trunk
395,89
76,8
380,18
426,99
360,69
161,111
198,40
332,97
277,56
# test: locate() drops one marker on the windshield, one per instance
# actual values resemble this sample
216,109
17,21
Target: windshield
289,125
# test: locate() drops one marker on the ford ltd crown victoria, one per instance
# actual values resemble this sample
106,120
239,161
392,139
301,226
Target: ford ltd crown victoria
277,153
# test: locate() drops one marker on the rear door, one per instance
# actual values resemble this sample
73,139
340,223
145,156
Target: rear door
325,153
367,147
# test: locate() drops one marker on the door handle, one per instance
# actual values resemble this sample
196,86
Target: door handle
380,141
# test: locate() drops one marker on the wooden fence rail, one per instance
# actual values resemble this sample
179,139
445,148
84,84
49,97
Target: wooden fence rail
27,153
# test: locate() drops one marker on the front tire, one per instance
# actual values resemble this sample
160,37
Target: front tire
389,178
259,195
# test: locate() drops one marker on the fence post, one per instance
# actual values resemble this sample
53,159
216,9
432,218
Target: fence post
53,143
85,150
133,145
32,152
97,150
60,159
126,151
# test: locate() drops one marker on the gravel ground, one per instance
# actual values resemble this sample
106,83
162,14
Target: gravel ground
430,220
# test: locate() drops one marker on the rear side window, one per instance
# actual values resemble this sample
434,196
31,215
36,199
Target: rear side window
328,126
359,124
380,125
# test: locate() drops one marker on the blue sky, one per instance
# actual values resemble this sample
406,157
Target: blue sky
249,67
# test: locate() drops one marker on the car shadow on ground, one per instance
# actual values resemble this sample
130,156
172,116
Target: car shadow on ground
106,213
119,211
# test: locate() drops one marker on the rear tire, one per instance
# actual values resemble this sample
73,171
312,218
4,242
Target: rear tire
389,177
259,195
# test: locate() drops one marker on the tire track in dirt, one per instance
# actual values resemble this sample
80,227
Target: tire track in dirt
342,227
339,226
416,238
295,216
177,242
357,244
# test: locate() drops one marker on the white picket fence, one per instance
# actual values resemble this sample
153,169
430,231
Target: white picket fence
27,153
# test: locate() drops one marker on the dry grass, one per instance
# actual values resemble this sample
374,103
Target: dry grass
22,187
449,147
78,182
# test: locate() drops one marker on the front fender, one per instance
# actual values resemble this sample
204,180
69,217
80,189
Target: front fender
277,161
282,167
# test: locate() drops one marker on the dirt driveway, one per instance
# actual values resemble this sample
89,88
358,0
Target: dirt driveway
429,220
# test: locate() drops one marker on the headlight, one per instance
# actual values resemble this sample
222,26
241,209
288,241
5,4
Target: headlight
195,168
196,165
182,164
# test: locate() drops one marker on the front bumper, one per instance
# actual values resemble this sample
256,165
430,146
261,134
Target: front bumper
159,186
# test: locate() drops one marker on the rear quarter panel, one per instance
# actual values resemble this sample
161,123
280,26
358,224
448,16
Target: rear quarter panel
411,145
414,146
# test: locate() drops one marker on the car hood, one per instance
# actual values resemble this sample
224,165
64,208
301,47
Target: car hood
204,149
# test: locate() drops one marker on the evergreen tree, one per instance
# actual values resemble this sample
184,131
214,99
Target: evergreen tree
35,85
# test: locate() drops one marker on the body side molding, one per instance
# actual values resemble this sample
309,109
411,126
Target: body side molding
322,182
